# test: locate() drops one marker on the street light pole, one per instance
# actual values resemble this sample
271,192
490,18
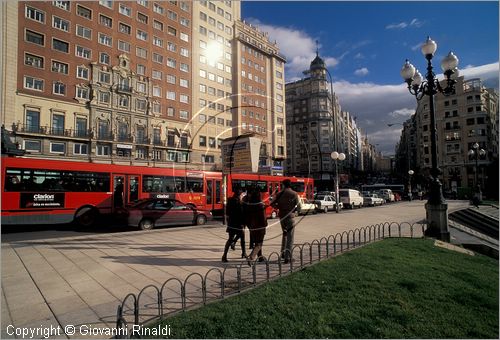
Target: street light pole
476,152
410,173
337,157
436,207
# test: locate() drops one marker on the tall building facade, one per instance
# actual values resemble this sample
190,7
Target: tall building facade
156,83
214,79
100,81
259,99
467,117
315,127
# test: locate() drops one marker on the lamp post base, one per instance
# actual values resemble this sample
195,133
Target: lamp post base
437,219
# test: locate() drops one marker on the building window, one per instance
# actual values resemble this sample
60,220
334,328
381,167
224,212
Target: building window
60,45
33,83
125,29
207,159
184,67
82,92
59,67
157,25
102,150
184,82
57,147
157,75
35,38
141,52
183,114
82,72
171,31
105,39
59,88
83,32
157,41
125,10
158,9
104,77
83,52
32,121
141,69
142,18
184,37
106,3
123,101
203,141
33,60
140,105
105,21
141,35
172,15
184,22
35,14
60,24
171,62
104,97
84,12
171,95
211,142
156,91
80,149
33,145
123,46
62,4
170,111
183,98
104,58
157,58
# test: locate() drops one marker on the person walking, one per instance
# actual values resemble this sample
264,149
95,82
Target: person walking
286,201
235,224
255,216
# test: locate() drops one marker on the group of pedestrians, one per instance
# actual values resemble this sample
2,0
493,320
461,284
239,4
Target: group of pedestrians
249,210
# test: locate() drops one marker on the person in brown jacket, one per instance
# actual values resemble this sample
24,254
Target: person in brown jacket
286,202
254,211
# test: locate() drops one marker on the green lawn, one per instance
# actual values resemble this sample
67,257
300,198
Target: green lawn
397,288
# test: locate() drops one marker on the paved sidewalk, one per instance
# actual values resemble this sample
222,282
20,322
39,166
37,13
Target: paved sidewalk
80,280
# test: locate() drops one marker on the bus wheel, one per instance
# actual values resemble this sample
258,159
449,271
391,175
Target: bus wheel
86,216
146,224
201,220
273,214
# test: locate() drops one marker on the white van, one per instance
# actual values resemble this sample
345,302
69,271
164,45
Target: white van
386,194
351,198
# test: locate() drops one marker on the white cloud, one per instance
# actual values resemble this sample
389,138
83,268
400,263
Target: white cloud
402,113
413,23
359,56
397,26
361,72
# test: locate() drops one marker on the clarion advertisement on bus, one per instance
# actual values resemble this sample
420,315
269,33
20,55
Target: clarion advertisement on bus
42,200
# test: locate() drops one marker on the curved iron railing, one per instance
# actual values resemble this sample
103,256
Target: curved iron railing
198,290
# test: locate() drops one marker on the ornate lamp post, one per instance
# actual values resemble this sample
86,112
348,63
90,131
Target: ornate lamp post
476,153
410,173
337,157
436,207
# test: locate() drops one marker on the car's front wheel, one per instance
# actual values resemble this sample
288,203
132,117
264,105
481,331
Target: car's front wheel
325,210
146,224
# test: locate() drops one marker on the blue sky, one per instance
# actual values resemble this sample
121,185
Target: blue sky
366,43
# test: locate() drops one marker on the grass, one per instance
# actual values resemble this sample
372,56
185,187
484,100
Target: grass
397,288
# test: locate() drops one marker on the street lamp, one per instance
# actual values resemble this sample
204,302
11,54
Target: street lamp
476,152
436,207
410,173
337,157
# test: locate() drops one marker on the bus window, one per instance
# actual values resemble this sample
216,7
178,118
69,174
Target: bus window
194,185
217,192
209,191
298,186
134,188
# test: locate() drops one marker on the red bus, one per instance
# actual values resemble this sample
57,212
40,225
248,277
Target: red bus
38,191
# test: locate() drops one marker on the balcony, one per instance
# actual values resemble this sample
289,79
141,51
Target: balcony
452,128
125,138
106,135
142,140
124,88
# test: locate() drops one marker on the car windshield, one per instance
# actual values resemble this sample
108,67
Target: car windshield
320,197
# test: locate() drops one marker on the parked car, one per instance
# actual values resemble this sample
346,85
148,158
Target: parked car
372,200
351,198
305,207
387,195
325,203
157,212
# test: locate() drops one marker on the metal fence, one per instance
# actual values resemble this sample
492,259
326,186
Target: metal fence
175,295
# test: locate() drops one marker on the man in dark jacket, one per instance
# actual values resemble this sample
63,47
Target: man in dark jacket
235,224
286,201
